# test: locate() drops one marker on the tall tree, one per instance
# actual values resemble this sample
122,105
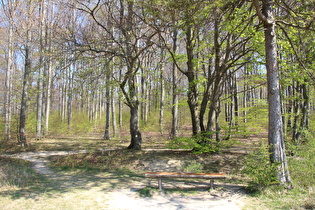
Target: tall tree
129,41
40,79
264,9
175,98
27,71
9,11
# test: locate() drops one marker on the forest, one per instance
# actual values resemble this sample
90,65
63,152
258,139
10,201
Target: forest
197,73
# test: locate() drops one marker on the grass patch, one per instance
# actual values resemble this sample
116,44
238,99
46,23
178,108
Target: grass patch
302,171
16,173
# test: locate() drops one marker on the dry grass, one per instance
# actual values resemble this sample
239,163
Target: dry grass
87,171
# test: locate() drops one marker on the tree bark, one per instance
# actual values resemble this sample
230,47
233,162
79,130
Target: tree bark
174,131
108,99
113,108
8,78
193,101
40,83
23,109
275,132
161,120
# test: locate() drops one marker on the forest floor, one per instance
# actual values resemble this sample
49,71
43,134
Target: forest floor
123,185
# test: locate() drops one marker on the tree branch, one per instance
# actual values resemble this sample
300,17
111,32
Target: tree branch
259,13
296,54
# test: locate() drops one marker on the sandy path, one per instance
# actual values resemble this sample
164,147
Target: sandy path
127,197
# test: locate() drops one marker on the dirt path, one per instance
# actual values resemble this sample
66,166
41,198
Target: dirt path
102,195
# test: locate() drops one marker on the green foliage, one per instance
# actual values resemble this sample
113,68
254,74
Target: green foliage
31,124
257,115
199,144
259,169
146,192
57,125
80,123
302,165
192,167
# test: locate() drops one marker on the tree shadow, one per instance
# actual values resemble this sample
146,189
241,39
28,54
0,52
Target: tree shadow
54,186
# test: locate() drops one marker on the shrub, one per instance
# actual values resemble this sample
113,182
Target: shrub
259,169
192,167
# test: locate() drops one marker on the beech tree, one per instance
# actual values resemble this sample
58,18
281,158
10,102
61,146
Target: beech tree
27,71
9,10
211,50
265,13
128,42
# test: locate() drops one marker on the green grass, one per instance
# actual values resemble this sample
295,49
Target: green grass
302,171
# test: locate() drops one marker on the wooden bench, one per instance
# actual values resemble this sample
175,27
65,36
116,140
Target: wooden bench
160,175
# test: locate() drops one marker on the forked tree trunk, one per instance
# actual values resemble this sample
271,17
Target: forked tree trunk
193,100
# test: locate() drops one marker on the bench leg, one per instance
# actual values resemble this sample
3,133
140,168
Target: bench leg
211,183
160,183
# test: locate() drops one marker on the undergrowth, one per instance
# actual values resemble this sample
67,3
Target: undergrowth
16,173
301,168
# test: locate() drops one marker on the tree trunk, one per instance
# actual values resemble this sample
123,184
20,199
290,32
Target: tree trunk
40,85
113,108
8,79
161,120
275,132
236,105
193,101
23,109
107,112
48,92
174,130
136,139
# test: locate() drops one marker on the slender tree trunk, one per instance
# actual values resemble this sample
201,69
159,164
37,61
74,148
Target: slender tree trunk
108,102
40,85
161,120
205,99
217,124
70,91
236,104
120,113
275,132
49,71
113,108
48,92
120,103
8,83
174,131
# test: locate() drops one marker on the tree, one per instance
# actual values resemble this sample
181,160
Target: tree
27,71
275,128
128,42
9,11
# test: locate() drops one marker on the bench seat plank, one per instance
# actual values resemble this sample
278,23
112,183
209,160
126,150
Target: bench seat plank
185,175
161,175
